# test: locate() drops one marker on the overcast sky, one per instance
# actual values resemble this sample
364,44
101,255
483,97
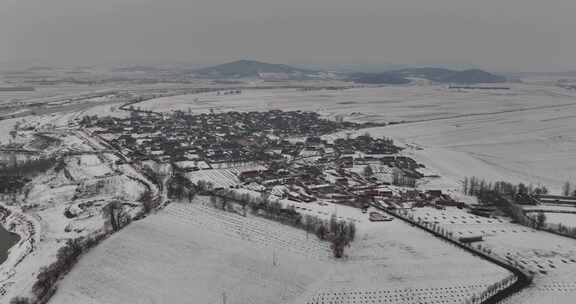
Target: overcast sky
501,35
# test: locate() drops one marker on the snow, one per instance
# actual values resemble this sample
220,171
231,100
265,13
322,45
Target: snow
84,185
190,252
551,208
188,164
551,257
393,259
193,251
222,177
566,219
87,166
556,214
545,291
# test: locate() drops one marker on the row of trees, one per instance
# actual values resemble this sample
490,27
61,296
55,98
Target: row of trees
568,190
12,184
539,220
48,276
17,174
339,233
475,186
563,229
28,167
399,179
491,290
507,196
179,187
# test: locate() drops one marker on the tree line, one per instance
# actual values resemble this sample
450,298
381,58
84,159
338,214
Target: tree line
48,276
339,233
475,186
568,189
507,197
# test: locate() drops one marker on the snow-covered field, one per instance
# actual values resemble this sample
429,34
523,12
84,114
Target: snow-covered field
43,93
192,251
550,208
371,104
566,219
222,177
552,258
556,214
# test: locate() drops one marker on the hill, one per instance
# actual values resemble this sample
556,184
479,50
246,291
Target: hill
379,78
252,69
451,76
440,75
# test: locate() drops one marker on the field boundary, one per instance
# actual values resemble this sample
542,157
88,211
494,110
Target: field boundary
523,278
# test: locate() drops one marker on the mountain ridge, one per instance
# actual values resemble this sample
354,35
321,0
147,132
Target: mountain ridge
253,69
250,68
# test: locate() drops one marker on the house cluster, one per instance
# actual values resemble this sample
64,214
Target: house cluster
412,198
351,171
295,161
200,140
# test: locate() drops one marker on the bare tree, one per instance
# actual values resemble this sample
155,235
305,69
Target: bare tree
115,215
541,219
368,172
20,300
566,188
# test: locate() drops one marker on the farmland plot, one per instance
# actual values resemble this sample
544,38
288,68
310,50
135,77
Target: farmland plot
552,258
190,252
393,103
221,177
566,219
193,251
395,263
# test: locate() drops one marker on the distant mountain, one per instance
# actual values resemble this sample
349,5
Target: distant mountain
378,78
440,75
252,69
435,74
452,76
473,76
137,68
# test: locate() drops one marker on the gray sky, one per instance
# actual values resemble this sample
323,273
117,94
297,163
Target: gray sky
501,35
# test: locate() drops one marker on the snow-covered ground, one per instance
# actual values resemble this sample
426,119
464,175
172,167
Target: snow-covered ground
556,213
193,251
371,104
222,177
550,208
43,93
566,219
551,257
63,203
